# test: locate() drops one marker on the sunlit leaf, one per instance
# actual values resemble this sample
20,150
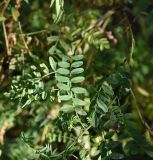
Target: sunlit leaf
62,79
77,64
64,64
63,71
77,79
52,63
64,87
77,71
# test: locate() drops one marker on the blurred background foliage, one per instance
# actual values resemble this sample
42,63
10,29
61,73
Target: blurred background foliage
116,39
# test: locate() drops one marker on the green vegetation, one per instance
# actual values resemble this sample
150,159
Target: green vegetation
76,80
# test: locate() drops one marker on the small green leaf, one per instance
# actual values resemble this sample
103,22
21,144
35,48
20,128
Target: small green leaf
77,79
64,45
44,95
46,70
107,90
64,64
65,97
62,86
29,101
77,64
81,112
63,71
52,2
53,38
62,79
79,90
102,105
77,71
33,67
77,57
15,13
78,102
52,63
2,18
52,50
67,108
37,74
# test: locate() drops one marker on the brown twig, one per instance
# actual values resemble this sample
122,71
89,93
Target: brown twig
22,36
6,39
4,28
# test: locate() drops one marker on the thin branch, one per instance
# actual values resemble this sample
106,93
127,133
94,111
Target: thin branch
33,33
6,39
4,28
22,36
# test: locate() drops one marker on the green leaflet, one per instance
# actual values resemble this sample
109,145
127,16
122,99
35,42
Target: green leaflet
62,79
52,50
45,68
15,13
77,79
33,67
79,90
77,71
81,112
77,64
102,105
64,97
64,64
63,71
67,108
78,102
52,63
64,45
53,38
77,57
107,90
64,87
44,95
